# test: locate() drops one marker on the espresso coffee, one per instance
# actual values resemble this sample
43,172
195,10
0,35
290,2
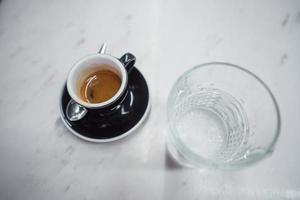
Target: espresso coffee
100,86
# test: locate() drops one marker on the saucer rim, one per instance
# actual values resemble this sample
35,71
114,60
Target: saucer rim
136,126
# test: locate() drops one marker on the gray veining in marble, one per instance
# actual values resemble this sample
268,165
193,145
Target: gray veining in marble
39,42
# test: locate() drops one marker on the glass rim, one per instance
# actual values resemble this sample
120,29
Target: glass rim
199,160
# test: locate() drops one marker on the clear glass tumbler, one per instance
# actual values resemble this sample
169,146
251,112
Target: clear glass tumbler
221,116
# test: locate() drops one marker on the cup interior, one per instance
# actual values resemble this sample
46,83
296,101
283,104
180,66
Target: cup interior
88,65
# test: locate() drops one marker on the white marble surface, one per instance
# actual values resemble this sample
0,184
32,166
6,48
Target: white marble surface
40,40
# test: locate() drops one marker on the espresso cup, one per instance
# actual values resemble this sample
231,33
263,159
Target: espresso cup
77,107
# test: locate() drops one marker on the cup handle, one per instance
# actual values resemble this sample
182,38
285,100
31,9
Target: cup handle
128,60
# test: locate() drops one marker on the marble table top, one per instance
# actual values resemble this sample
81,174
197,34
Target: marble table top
39,42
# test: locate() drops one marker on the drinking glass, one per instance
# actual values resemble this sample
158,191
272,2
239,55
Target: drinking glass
221,116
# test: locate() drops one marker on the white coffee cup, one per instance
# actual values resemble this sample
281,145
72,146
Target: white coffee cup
77,108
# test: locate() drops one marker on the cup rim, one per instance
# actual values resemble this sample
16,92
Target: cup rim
119,93
198,160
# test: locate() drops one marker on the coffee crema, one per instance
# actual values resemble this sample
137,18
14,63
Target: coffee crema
100,86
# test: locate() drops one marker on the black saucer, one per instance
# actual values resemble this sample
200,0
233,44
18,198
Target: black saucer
126,118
